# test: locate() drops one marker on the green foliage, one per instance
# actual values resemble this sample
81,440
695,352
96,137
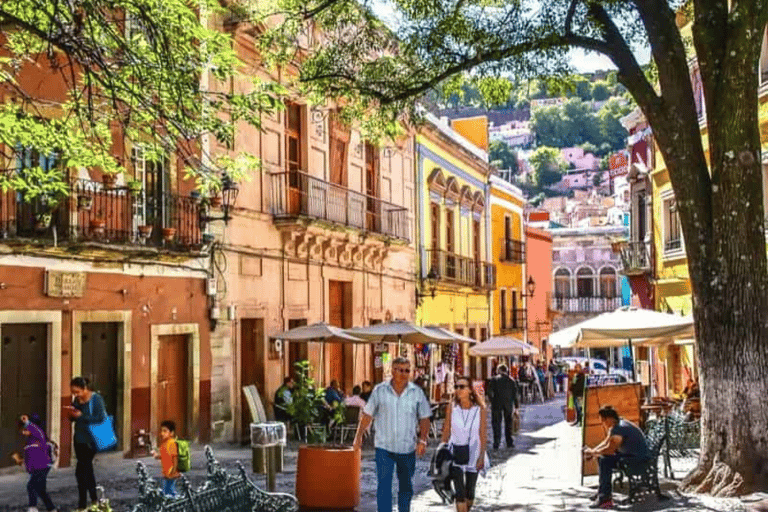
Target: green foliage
130,69
547,166
503,156
307,399
600,91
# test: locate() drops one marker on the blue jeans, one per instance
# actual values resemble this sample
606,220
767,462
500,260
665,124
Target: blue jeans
169,486
36,487
607,463
385,466
577,405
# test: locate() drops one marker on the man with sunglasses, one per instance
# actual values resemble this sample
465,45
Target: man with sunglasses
398,406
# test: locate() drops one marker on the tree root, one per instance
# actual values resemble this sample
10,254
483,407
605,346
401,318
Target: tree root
716,478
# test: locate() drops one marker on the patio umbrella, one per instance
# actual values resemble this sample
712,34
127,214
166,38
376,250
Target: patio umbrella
454,336
502,346
400,332
318,332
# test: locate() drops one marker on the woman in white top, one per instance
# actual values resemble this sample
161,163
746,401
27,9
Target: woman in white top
465,428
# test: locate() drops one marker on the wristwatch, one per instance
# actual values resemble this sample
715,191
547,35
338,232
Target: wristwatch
423,441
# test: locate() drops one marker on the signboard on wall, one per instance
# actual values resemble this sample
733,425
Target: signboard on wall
618,164
64,284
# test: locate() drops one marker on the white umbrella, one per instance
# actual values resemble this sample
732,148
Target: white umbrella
454,336
502,346
318,332
400,332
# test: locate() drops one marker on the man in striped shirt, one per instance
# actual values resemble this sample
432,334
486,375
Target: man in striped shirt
398,406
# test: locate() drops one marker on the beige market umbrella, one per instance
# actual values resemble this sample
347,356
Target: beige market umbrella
454,336
498,346
400,332
318,332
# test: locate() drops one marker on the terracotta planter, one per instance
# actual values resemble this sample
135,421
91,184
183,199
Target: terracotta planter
215,201
328,478
145,231
108,180
168,234
84,203
98,227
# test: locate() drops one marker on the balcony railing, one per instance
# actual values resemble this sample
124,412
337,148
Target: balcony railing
92,213
635,258
513,251
515,321
296,194
461,270
584,304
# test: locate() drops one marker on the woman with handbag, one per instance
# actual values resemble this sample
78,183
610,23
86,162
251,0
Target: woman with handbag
87,409
465,429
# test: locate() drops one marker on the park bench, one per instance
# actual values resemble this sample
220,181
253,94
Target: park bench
221,492
644,474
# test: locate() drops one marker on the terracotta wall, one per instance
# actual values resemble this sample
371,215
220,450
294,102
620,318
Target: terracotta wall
150,299
538,259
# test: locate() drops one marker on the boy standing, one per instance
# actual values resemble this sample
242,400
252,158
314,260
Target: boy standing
169,457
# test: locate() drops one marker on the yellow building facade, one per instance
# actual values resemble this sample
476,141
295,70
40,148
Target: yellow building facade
455,275
508,254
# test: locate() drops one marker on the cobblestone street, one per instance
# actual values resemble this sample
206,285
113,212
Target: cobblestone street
540,474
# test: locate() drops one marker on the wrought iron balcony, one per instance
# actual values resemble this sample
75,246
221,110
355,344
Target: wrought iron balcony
593,304
461,270
635,258
515,322
513,251
296,194
91,212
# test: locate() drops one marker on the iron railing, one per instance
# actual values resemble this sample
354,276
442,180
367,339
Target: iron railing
297,194
593,304
513,251
92,212
461,270
635,257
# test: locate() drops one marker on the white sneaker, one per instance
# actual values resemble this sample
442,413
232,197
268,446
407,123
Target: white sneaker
32,509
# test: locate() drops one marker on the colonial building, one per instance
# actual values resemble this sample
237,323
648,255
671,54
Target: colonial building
456,273
322,232
108,280
538,266
508,254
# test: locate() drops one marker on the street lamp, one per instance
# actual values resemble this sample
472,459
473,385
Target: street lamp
530,286
428,283
229,191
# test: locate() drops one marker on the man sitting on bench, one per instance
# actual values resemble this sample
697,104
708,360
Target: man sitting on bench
625,441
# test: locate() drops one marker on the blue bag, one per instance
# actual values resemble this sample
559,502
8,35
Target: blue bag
103,434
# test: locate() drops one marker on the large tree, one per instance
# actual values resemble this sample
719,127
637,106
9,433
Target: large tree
80,78
718,189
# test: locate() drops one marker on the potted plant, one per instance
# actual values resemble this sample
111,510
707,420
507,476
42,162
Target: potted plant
98,225
215,200
145,230
84,202
108,180
339,489
169,234
208,238
195,195
135,187
43,221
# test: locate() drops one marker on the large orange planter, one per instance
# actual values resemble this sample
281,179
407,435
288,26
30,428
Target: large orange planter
328,478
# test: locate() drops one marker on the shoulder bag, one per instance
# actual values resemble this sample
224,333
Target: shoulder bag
102,433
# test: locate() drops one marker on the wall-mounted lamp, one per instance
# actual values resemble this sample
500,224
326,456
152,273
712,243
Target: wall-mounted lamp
229,191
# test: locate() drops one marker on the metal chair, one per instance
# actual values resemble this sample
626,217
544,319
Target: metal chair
351,420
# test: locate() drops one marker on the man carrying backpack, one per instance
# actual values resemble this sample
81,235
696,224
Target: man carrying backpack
173,455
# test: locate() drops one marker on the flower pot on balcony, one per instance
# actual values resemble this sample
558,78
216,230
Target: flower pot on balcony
98,227
215,201
43,222
135,187
208,238
84,203
145,231
108,180
328,477
169,234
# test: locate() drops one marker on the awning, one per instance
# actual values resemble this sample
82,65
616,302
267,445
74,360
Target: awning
502,346
318,332
456,337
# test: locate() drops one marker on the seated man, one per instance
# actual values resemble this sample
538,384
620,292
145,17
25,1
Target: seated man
354,400
333,393
283,398
625,441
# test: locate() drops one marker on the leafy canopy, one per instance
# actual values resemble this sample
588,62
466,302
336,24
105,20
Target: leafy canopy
118,72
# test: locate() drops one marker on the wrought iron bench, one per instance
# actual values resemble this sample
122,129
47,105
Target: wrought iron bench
645,474
221,492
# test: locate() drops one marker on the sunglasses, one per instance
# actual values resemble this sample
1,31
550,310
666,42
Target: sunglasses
403,370
461,386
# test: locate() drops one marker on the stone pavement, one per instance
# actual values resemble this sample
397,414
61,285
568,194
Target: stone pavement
541,474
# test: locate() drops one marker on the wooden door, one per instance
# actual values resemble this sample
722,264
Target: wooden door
23,381
339,356
99,363
251,367
172,382
297,350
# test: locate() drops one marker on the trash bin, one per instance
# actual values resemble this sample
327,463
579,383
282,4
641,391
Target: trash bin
267,445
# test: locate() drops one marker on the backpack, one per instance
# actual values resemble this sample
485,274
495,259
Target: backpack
184,462
53,451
